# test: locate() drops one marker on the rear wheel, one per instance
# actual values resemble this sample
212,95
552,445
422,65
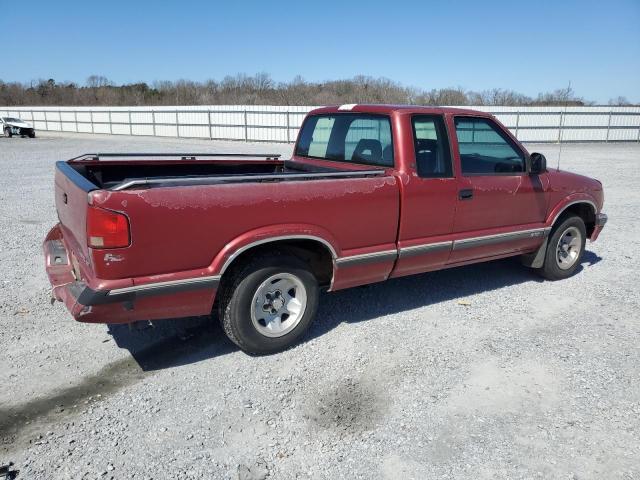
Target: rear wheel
565,249
32,134
269,303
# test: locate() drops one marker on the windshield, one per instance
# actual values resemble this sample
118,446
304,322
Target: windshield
347,137
11,119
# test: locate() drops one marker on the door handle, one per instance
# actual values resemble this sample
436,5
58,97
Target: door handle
466,194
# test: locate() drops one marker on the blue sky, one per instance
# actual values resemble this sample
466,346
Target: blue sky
528,46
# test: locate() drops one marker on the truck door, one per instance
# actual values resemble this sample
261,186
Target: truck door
500,206
428,197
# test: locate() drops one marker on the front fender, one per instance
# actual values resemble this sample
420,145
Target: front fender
566,202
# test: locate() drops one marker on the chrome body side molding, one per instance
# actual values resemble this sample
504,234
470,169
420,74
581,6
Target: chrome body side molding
212,281
416,250
367,258
85,295
499,238
164,287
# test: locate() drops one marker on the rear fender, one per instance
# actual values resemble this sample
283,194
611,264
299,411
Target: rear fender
272,234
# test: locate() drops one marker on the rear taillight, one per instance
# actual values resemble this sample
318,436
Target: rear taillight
107,229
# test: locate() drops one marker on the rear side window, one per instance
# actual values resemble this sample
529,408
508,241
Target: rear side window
347,137
485,149
433,156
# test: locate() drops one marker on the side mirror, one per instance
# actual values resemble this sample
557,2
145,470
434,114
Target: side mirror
538,163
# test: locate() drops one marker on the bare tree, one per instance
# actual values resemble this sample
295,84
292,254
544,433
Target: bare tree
561,96
260,89
98,81
620,101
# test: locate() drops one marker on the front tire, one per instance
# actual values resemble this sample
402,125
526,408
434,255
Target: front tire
269,303
565,249
7,133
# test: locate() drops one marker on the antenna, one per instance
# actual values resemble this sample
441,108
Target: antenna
563,116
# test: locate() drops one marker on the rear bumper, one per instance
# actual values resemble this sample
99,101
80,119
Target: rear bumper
601,221
149,301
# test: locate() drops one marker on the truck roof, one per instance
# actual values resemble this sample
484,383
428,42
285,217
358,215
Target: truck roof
388,109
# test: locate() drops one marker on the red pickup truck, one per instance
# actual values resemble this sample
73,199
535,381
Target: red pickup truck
370,193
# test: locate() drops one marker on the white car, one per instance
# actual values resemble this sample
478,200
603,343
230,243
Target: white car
14,126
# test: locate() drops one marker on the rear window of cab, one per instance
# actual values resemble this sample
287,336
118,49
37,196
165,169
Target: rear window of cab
347,137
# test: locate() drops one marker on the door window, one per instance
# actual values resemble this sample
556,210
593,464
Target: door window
433,157
485,149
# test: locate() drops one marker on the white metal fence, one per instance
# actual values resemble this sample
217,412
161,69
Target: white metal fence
260,123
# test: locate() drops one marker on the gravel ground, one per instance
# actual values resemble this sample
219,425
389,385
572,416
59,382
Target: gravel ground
522,379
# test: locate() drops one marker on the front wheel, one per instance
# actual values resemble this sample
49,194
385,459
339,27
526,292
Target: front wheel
565,249
269,303
7,133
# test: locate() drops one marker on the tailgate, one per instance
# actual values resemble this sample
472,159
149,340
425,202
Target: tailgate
71,190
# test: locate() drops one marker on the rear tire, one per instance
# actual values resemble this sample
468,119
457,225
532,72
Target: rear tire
32,134
565,249
269,303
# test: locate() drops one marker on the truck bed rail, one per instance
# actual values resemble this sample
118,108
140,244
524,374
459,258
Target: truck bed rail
94,157
220,179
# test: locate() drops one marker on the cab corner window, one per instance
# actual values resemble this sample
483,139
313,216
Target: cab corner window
433,158
352,137
485,150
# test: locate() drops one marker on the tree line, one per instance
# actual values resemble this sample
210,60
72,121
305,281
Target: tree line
261,89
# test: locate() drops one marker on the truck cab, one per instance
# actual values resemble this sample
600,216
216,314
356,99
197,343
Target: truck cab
469,190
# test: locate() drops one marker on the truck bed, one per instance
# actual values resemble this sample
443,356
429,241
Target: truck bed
122,172
189,228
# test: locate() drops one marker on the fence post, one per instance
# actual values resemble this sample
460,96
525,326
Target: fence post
60,118
608,127
46,121
517,122
560,127
288,126
91,116
153,121
110,124
130,129
210,128
177,125
75,118
246,127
